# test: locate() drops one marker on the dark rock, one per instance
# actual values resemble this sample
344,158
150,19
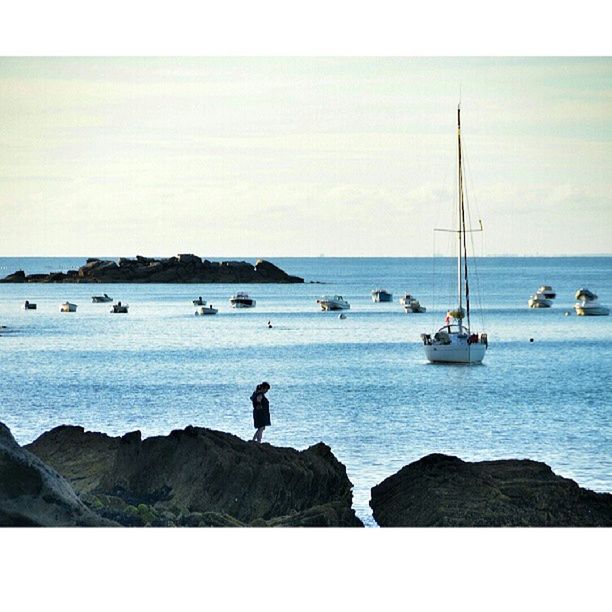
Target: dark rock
126,262
184,268
34,495
36,278
444,491
131,437
16,277
56,277
268,270
188,258
199,470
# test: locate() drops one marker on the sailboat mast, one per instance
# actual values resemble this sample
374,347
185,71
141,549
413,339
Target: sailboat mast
460,211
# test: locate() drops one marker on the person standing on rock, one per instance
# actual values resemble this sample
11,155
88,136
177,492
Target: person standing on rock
261,410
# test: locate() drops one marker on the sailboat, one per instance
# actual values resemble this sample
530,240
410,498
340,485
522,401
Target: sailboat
455,342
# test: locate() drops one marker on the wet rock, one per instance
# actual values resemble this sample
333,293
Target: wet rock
199,470
444,491
34,495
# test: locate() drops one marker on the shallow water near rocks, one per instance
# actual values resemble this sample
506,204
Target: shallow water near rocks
361,385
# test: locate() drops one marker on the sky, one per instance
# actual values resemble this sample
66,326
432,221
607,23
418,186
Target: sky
302,156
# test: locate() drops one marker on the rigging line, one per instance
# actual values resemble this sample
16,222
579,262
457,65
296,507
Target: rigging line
463,238
475,267
433,282
465,265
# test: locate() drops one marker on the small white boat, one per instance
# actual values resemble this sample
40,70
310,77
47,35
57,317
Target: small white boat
333,302
199,302
547,291
29,305
539,300
206,310
588,304
101,299
68,307
411,304
381,295
242,300
120,308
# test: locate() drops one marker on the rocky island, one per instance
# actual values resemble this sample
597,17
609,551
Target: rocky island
184,268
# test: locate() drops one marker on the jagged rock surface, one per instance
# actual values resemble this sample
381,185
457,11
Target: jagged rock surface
199,477
444,491
34,495
184,268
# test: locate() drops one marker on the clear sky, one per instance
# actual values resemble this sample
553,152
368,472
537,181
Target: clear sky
301,156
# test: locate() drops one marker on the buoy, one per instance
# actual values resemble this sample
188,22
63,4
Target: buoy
530,339
342,316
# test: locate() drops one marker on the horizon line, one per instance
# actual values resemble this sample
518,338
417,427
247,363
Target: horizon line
322,256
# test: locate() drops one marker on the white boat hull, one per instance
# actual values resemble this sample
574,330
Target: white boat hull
592,311
206,310
539,303
460,352
243,304
68,307
329,306
414,308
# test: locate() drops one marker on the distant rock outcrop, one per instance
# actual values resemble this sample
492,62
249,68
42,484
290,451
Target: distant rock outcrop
34,495
185,268
444,491
200,477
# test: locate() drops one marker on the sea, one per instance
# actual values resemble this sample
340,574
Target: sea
361,384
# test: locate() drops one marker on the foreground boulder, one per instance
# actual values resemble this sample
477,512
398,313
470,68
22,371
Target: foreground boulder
184,268
443,491
199,477
34,495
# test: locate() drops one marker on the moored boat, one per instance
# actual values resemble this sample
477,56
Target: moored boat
588,304
456,342
333,302
539,300
101,299
411,304
68,307
199,302
206,310
242,300
29,305
381,295
120,308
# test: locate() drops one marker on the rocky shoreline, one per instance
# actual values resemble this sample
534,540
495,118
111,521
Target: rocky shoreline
198,477
184,268
444,491
193,477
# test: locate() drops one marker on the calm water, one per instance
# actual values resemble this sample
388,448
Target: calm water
361,385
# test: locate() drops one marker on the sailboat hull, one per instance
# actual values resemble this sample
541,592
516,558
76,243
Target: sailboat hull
459,352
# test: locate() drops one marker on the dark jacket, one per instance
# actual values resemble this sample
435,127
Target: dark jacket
261,410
